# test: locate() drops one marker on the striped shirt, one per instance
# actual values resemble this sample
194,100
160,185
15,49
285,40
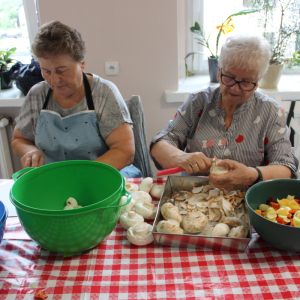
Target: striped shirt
257,136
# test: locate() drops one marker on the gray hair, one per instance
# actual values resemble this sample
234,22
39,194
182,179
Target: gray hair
56,38
246,52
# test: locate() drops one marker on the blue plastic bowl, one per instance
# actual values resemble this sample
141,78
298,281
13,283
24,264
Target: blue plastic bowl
3,217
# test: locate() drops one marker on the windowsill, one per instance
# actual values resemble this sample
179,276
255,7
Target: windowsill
12,97
288,88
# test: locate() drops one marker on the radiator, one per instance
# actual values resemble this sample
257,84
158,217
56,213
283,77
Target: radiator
5,157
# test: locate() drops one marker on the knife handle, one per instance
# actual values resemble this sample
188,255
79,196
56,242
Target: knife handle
170,171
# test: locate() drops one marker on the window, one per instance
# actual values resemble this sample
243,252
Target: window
210,14
18,25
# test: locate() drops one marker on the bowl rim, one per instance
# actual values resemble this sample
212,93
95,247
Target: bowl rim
72,212
5,211
3,220
88,208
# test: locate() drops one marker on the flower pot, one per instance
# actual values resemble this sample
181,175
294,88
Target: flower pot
6,83
271,78
213,68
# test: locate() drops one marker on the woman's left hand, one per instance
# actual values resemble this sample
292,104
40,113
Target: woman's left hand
238,176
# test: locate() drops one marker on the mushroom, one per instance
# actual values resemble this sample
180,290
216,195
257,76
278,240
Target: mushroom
231,221
169,211
220,229
140,234
208,229
72,201
147,210
130,219
128,207
194,222
228,208
238,232
131,187
169,226
214,214
214,192
207,188
217,170
68,206
146,184
141,197
182,195
157,191
197,189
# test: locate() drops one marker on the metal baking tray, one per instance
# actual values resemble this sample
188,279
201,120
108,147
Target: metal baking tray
178,183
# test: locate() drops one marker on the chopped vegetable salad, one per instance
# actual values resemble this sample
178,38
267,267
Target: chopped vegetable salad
285,211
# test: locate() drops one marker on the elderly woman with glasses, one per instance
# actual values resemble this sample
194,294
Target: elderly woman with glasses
232,122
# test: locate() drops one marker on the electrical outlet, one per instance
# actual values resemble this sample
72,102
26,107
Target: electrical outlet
111,68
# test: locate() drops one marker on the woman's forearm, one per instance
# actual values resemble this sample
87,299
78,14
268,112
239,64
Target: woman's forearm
116,158
166,154
275,171
21,146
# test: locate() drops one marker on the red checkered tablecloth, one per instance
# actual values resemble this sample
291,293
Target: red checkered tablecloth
116,269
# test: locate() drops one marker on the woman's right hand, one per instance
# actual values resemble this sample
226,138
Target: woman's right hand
33,158
195,162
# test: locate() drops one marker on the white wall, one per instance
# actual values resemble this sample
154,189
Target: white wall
139,34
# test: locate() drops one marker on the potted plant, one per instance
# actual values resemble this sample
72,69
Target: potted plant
5,60
286,27
293,61
225,28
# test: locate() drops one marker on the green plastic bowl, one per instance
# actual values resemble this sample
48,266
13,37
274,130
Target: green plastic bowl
283,237
46,188
40,196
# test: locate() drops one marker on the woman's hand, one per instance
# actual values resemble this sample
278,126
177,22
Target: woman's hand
194,162
30,154
238,176
33,158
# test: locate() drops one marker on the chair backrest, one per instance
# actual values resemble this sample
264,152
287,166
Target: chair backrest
141,157
294,127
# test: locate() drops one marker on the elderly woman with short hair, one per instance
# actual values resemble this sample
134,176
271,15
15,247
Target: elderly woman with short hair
232,122
72,115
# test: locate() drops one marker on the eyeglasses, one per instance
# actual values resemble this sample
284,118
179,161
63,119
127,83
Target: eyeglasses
244,85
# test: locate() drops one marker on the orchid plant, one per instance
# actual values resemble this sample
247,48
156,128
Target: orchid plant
225,28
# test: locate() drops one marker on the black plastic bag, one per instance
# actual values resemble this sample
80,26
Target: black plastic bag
26,76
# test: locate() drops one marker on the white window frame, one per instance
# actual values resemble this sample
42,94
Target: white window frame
195,13
32,17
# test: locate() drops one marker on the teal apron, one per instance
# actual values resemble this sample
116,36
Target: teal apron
74,137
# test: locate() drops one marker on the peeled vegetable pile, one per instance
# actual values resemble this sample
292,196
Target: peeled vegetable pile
205,211
285,211
140,208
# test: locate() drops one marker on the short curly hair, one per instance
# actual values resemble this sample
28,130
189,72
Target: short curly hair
56,38
249,52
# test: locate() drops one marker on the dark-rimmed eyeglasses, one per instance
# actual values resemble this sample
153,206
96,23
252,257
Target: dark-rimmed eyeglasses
244,85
